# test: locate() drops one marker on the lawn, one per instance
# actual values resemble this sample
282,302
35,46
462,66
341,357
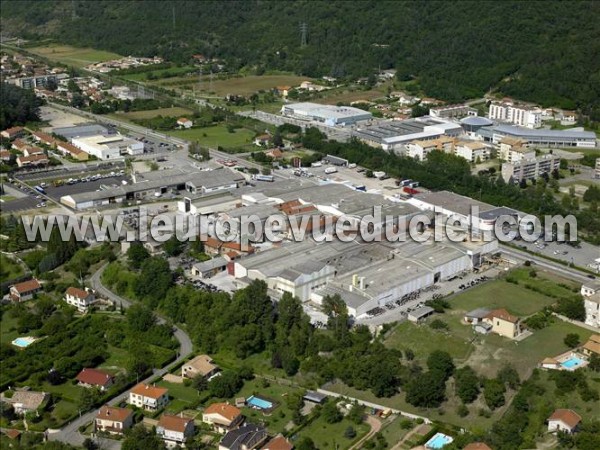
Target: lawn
181,396
8,328
174,111
9,268
217,136
73,56
331,436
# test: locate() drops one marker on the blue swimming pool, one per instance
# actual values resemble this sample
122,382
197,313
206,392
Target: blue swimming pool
24,341
572,363
259,403
439,440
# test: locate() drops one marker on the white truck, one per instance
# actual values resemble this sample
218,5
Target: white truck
330,170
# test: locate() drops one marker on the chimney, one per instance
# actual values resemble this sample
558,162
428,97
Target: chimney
355,280
362,283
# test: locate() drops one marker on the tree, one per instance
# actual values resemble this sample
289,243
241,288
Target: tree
154,280
137,254
225,386
350,432
573,308
509,376
140,318
140,438
330,412
440,362
306,443
466,384
427,390
594,362
572,340
356,413
493,393
78,101
173,246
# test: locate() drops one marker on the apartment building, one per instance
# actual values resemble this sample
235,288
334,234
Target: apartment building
514,150
473,151
529,169
517,114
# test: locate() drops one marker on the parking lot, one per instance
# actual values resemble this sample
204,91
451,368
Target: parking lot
582,257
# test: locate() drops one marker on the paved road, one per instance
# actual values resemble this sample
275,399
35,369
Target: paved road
566,271
70,433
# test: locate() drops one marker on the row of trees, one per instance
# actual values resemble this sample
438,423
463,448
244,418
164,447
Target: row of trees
18,106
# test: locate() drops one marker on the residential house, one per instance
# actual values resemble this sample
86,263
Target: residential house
34,160
223,417
24,290
44,138
175,430
68,149
476,316
184,122
89,377
79,298
477,446
592,310
279,442
12,133
200,365
565,420
275,153
504,323
150,398
247,437
113,420
262,140
31,150
5,155
19,145
283,90
592,346
550,363
24,402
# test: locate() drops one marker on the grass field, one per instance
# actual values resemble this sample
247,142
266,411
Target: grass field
331,436
217,136
73,56
8,328
9,269
241,86
175,111
349,96
157,73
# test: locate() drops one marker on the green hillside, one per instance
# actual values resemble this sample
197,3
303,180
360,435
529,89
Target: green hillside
542,51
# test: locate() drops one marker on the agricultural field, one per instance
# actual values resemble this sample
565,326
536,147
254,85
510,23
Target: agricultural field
175,111
347,95
217,136
73,56
158,74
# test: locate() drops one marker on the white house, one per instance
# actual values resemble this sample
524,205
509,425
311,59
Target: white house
184,123
79,298
591,301
150,398
565,420
174,430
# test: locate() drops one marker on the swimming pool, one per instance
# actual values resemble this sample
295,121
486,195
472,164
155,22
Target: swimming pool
439,440
572,363
259,403
24,341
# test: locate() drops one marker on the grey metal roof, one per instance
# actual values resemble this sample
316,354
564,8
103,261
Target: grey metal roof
81,130
478,313
421,312
544,133
211,264
476,121
313,396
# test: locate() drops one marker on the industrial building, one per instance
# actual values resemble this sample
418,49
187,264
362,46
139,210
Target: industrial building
204,182
79,131
328,114
109,147
392,135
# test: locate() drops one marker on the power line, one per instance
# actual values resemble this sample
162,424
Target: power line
303,34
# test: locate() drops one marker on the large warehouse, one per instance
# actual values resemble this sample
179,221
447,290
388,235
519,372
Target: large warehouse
541,137
205,183
109,147
328,114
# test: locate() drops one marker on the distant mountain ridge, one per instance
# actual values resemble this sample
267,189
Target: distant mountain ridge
546,52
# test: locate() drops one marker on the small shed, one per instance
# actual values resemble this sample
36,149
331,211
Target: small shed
314,397
420,314
483,327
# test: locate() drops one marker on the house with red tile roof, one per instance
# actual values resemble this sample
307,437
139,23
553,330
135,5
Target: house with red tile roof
79,298
24,290
565,420
223,417
504,323
148,397
12,133
95,378
33,160
278,443
175,430
113,420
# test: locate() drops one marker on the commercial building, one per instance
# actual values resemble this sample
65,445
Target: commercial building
541,137
393,135
109,147
80,131
514,150
38,81
530,169
518,114
328,114
452,111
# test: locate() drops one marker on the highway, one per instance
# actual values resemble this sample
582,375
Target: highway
70,433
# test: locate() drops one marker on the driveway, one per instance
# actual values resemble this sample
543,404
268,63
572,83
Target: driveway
70,433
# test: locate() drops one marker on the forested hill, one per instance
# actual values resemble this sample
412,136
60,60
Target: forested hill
543,51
